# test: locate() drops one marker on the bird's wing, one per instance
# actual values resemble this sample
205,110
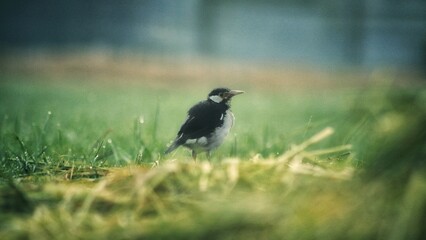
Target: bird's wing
202,119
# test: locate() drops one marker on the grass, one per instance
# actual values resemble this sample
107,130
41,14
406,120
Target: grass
82,159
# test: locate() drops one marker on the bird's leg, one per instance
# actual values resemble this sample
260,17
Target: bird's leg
194,155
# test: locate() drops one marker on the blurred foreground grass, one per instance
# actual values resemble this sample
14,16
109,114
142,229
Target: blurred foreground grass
83,160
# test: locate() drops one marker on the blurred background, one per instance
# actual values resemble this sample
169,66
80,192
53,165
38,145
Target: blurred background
89,85
324,34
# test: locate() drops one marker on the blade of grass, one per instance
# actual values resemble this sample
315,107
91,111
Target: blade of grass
299,148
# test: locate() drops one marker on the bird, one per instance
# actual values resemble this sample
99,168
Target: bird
207,124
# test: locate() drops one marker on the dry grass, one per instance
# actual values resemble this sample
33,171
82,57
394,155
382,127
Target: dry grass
284,197
229,199
164,72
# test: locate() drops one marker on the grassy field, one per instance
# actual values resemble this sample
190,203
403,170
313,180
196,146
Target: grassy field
82,159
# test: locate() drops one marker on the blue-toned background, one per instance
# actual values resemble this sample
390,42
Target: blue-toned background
361,33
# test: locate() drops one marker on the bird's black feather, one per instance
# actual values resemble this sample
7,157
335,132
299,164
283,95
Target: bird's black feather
202,119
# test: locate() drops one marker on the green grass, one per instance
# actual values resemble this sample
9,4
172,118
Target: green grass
133,117
82,159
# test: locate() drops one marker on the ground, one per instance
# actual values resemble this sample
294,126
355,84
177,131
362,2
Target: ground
311,155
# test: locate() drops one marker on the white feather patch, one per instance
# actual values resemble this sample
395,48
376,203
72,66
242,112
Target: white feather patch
202,141
191,141
216,99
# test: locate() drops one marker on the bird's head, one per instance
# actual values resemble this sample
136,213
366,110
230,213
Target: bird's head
223,95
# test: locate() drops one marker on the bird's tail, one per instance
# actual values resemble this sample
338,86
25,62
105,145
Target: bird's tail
172,147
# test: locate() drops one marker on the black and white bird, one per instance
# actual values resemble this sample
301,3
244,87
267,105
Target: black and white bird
207,124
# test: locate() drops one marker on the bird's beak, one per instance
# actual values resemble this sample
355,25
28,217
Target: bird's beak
234,93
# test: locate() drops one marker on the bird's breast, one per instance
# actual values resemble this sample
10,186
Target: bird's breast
215,138
219,134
